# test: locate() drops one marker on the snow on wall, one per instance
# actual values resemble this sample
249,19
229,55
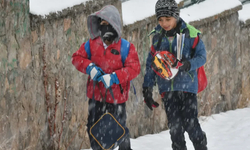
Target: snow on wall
207,9
136,10
244,14
44,7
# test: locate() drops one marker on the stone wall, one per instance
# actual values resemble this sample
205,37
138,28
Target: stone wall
43,97
244,46
18,104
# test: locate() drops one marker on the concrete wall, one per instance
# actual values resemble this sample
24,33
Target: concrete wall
43,97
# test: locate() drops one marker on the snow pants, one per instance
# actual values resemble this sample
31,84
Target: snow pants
182,113
99,110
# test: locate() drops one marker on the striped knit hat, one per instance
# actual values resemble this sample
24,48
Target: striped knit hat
167,8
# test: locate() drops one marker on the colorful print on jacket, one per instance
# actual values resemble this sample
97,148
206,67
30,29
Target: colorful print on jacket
183,81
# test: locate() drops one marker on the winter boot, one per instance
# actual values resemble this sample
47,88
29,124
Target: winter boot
125,145
203,144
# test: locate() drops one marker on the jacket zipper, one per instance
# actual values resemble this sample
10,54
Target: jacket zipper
105,51
172,81
121,89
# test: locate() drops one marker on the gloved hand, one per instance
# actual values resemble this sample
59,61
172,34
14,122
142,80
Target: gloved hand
185,65
94,71
109,79
148,98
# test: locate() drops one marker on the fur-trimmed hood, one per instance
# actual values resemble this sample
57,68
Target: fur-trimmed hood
108,13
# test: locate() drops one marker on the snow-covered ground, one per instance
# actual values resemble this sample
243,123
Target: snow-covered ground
225,131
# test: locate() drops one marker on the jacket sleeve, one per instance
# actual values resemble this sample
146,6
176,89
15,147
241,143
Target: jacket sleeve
149,78
131,67
200,56
80,59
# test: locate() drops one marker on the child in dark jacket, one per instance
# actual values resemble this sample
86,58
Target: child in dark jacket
179,94
106,69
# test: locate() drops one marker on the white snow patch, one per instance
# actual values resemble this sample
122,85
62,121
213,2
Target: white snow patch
44,7
244,14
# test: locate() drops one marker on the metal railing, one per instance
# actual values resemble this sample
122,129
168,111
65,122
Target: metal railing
245,1
188,3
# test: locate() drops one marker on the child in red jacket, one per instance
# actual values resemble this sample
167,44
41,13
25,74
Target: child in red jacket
103,63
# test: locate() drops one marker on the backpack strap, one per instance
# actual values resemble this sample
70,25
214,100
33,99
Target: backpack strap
196,41
160,40
87,49
125,47
153,51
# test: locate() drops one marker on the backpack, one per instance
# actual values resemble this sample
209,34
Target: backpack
108,132
202,78
125,47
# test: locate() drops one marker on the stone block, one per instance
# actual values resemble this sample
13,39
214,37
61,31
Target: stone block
66,24
25,57
34,36
3,58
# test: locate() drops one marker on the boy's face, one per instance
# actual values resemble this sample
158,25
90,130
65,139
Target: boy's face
104,22
167,23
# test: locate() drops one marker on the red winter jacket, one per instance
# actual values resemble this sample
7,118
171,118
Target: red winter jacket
109,63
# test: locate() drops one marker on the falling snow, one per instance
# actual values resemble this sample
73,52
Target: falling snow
225,131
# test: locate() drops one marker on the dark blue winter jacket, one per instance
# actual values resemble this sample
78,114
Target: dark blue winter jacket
183,81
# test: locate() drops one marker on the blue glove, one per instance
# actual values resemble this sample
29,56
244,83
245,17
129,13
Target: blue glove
94,71
109,79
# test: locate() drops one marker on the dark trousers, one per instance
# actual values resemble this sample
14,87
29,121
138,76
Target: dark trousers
181,110
96,110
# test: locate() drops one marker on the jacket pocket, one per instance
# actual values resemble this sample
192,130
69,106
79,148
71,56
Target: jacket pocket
184,76
115,52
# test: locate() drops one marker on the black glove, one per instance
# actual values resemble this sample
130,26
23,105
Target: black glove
185,65
147,94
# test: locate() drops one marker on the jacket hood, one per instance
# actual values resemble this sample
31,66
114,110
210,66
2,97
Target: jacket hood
108,13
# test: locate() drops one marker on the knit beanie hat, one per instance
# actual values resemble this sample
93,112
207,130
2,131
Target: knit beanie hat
167,8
